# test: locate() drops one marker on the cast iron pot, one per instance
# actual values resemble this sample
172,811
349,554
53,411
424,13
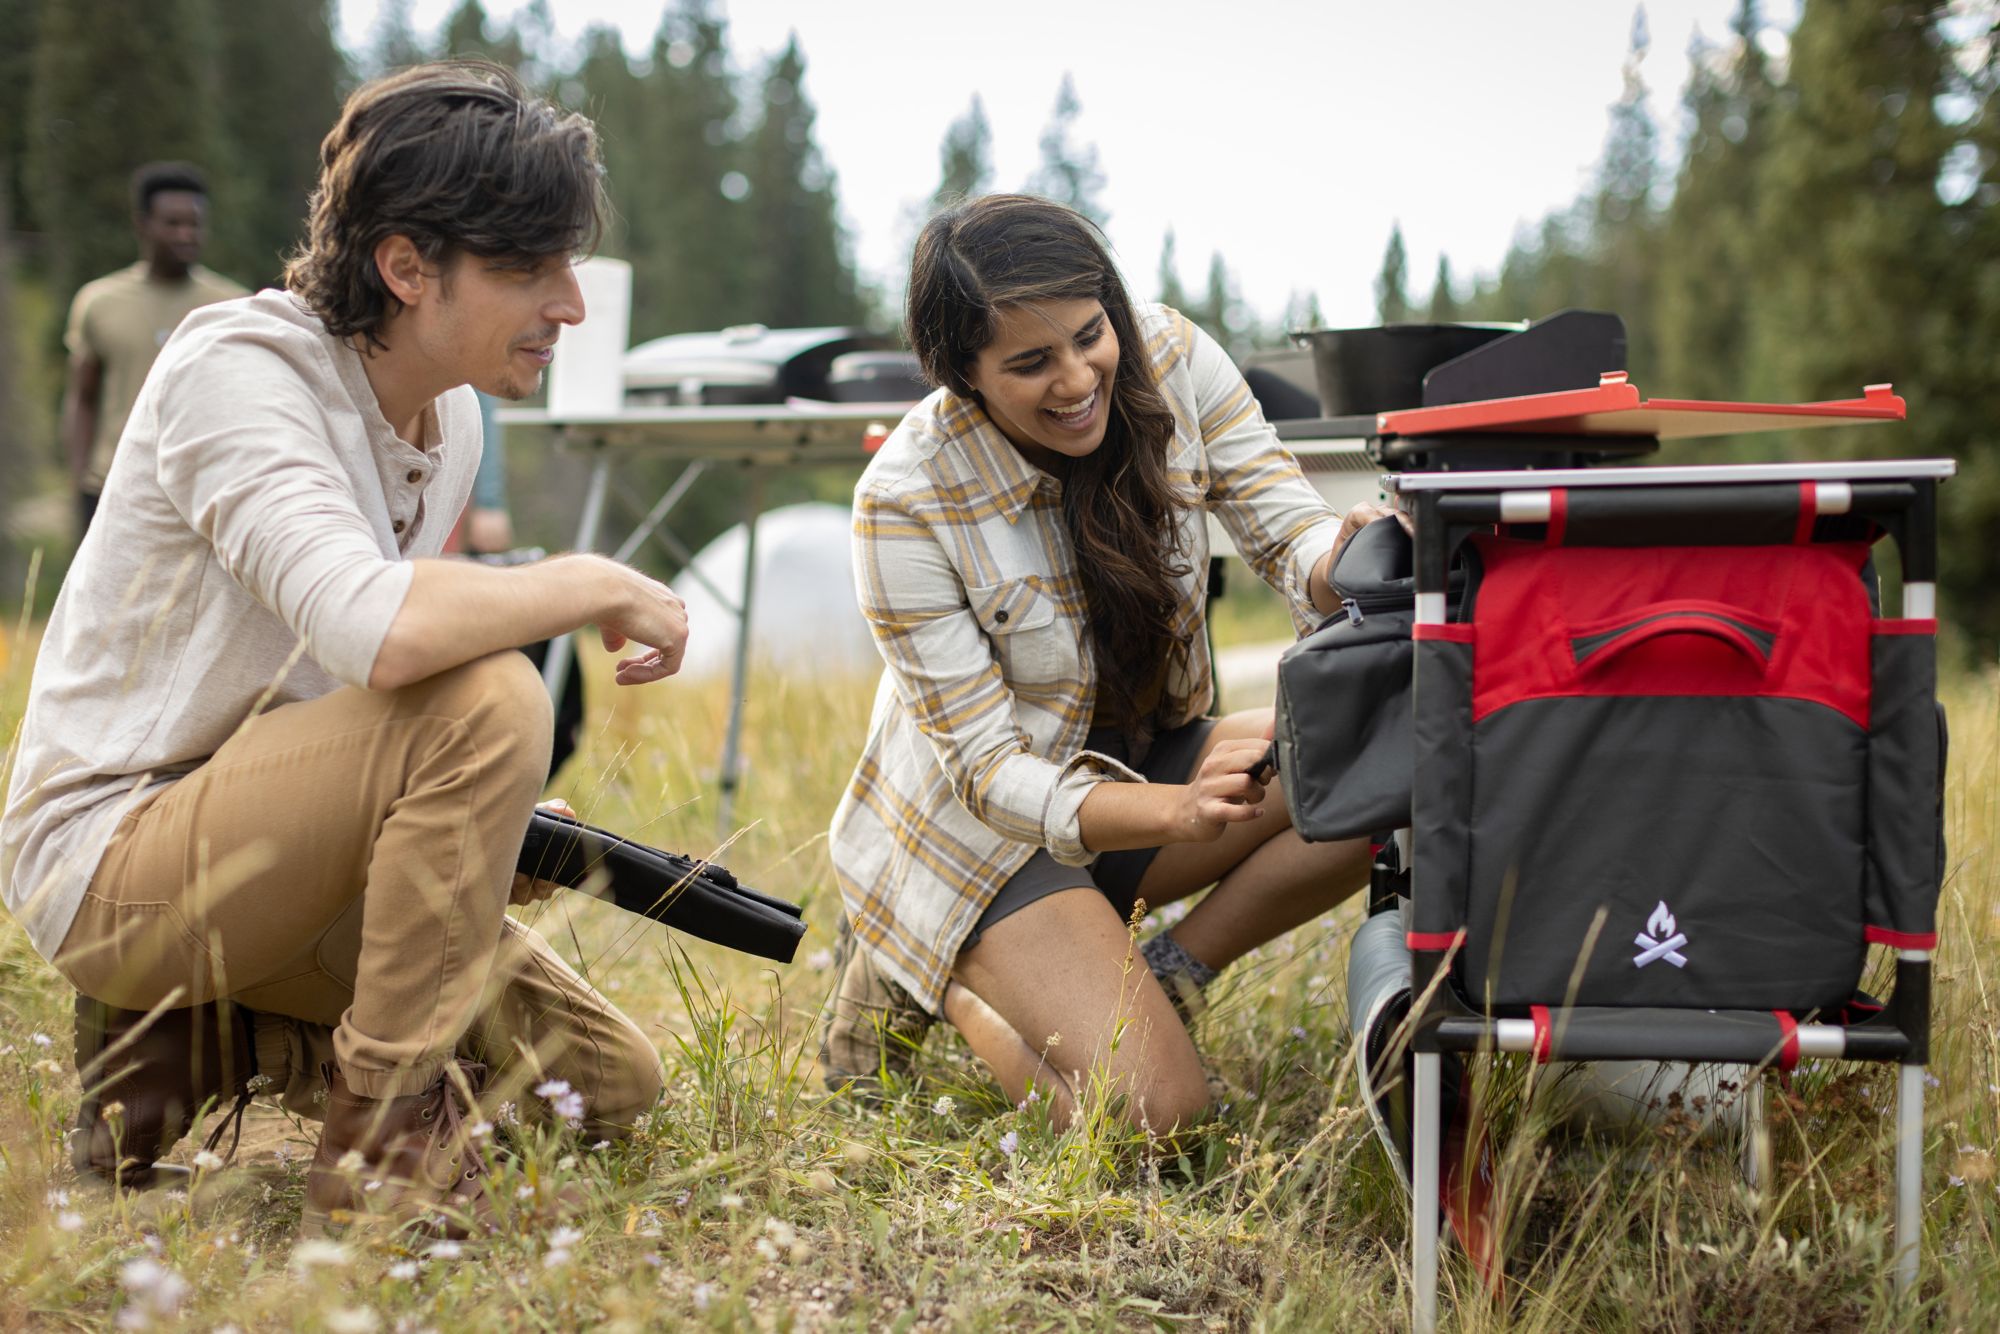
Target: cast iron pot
1364,371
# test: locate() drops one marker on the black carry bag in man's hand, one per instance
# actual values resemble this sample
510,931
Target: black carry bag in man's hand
697,897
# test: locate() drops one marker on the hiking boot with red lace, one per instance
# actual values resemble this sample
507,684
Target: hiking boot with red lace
402,1160
146,1077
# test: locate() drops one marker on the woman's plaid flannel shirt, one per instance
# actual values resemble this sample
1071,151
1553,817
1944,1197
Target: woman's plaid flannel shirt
966,576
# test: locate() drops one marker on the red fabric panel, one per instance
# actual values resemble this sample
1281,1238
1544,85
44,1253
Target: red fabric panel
1535,600
1451,632
1900,940
1895,627
1558,516
1544,1033
1788,1055
1808,512
1433,940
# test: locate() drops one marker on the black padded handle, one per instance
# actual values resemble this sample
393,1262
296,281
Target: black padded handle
700,898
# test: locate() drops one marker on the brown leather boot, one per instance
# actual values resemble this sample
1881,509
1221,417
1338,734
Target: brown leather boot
871,1027
399,1160
143,1083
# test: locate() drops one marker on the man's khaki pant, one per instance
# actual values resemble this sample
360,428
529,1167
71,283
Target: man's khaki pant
347,861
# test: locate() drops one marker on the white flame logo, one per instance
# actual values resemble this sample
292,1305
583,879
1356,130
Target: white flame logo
1662,939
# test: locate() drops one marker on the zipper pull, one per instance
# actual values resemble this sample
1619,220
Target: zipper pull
1353,610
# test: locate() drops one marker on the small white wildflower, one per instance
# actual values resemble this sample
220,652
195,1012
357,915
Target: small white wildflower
1298,1033
507,1115
1010,1143
39,1039
371,1187
319,1254
704,1296
1932,1081
352,1320
56,1199
1953,1181
154,1287
600,1146
444,1250
69,1221
350,1162
780,1232
565,1237
153,1243
767,1248
259,1083
943,1105
555,1259
566,1163
731,1201
208,1161
563,1100
820,960
680,1200
403,1269
479,1129
525,1193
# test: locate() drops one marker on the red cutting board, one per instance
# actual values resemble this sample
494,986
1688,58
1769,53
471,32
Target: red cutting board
1615,407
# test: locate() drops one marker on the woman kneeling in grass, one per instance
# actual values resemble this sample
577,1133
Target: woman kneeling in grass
1031,552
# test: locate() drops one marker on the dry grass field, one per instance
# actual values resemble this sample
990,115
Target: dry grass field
752,1201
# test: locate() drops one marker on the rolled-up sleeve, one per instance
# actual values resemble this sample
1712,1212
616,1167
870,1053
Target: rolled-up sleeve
946,674
1281,526
244,458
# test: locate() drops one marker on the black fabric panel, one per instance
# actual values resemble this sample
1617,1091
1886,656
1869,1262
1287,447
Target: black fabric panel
1600,1035
1344,732
1444,785
1670,516
1905,786
1744,817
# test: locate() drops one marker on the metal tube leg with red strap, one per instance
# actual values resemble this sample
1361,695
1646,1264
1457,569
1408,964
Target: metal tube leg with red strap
1424,1195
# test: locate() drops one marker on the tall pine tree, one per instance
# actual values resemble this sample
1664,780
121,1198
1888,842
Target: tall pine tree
965,158
1707,267
281,75
117,83
798,269
1069,173
1392,293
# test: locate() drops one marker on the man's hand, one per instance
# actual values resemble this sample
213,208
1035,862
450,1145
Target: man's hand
651,616
527,889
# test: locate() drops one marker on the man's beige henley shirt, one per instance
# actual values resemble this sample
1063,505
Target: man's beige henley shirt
251,550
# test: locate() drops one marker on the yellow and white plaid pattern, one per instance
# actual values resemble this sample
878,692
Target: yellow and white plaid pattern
966,576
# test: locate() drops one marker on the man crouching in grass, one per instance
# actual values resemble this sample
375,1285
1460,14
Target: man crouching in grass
278,756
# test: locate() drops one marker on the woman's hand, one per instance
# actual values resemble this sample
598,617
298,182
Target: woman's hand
1320,587
527,889
1222,792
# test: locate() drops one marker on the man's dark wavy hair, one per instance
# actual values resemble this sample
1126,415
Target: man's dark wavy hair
457,156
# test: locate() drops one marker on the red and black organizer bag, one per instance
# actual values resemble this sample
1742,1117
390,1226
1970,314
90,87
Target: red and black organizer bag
1650,773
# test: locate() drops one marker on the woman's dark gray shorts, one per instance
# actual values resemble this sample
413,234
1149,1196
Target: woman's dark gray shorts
1116,875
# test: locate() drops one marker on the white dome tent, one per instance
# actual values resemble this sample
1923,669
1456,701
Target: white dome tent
803,616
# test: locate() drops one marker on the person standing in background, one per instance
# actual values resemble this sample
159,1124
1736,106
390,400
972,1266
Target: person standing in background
118,323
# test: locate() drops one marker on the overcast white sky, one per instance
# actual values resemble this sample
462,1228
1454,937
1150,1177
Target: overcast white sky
1288,134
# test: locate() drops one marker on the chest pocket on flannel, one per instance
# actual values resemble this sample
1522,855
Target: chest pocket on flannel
1019,618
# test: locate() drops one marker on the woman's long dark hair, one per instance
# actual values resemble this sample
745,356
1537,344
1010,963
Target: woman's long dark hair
979,257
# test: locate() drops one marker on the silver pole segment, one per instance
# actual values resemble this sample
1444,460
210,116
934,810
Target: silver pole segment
753,504
1424,1196
555,667
1430,609
661,508
1919,601
1756,1135
1909,1174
